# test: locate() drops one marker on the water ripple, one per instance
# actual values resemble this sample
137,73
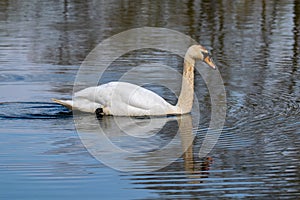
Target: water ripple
32,110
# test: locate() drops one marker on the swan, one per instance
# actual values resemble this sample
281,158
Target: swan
126,99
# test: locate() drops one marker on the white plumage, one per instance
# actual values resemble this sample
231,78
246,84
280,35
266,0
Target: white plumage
126,99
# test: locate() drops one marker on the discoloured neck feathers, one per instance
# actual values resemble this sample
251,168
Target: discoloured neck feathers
186,97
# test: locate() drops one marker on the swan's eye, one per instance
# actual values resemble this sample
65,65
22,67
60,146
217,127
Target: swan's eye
205,55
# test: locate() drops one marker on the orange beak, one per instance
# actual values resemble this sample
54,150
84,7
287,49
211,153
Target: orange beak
208,60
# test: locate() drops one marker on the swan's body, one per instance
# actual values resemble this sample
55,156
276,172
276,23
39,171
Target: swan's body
120,98
126,99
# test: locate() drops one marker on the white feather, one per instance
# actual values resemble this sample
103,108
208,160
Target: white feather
126,99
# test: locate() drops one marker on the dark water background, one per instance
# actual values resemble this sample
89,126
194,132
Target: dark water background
256,45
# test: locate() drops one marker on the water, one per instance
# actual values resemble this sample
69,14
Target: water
256,47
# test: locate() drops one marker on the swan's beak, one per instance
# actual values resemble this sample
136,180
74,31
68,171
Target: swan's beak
208,60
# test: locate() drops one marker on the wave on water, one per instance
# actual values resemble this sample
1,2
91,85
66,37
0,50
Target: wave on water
32,110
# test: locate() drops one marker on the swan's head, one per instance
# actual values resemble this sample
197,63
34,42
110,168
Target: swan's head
198,52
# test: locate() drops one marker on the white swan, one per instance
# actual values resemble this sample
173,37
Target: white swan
126,99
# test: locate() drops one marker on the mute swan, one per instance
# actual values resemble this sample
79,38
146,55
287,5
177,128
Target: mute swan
126,99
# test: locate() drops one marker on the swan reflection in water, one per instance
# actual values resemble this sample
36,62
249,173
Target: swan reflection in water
139,144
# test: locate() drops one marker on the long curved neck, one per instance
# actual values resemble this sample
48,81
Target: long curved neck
186,97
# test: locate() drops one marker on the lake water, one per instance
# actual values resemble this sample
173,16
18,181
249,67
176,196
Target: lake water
46,153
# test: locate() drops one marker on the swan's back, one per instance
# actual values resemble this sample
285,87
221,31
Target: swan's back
122,98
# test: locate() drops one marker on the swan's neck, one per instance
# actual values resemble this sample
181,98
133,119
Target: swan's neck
185,100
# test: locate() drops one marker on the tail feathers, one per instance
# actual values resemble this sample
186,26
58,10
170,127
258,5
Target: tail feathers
66,103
